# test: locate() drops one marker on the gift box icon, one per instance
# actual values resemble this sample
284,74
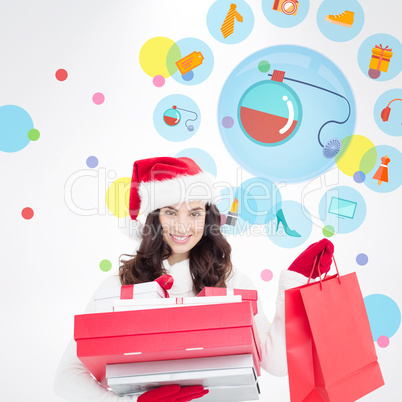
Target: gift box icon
380,58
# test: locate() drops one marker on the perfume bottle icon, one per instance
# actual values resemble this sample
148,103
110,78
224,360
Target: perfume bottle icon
172,117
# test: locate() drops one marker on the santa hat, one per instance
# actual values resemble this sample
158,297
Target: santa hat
163,181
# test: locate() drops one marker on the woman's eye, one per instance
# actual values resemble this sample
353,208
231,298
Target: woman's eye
195,214
169,213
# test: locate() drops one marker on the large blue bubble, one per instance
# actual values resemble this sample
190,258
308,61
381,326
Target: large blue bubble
15,124
299,157
383,314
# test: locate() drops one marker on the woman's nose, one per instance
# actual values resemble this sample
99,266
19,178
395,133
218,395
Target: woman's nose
182,224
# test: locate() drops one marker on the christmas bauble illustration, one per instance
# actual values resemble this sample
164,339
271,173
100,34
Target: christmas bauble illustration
172,116
270,112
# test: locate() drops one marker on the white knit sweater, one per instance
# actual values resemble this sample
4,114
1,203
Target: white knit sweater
74,383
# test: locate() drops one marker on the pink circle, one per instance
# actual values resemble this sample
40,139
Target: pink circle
27,213
383,341
374,73
159,81
98,98
223,219
266,275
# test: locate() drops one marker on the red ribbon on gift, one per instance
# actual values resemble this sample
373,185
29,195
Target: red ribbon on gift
165,282
383,49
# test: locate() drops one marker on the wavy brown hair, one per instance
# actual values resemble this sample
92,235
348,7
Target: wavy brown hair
209,259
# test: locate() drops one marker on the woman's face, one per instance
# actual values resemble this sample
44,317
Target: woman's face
183,225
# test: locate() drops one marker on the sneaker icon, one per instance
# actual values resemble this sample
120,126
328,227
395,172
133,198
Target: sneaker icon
345,19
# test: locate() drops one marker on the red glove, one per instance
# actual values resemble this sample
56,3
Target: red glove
166,282
173,393
303,264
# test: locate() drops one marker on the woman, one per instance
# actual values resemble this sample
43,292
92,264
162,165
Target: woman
181,237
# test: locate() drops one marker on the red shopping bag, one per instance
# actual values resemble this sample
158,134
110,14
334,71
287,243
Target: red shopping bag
329,345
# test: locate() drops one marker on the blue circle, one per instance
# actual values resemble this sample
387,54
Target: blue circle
383,314
388,112
92,161
392,170
334,31
365,56
188,76
269,100
241,29
192,49
203,159
292,226
187,114
359,177
15,123
273,11
343,208
257,199
300,158
362,259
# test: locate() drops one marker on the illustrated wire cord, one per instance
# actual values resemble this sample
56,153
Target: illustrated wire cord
394,101
327,90
189,111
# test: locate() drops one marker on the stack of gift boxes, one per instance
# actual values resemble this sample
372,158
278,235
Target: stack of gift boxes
139,339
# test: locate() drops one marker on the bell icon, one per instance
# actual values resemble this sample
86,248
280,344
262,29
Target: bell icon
382,172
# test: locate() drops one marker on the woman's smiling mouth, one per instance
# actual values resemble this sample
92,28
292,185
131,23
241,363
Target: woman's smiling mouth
180,239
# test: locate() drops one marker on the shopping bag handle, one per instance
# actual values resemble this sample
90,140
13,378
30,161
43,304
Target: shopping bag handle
319,272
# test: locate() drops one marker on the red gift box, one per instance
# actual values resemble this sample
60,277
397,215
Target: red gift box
165,334
246,294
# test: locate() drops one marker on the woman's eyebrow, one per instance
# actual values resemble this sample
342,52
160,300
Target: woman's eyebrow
194,209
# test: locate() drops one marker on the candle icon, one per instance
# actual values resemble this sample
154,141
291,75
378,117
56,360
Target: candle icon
231,218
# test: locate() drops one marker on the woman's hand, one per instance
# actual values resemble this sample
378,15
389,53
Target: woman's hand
303,264
173,393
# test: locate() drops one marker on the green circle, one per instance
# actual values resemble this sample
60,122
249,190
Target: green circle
264,66
33,134
174,54
105,265
368,160
328,231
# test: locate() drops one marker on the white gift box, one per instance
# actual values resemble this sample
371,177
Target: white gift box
104,298
228,378
129,304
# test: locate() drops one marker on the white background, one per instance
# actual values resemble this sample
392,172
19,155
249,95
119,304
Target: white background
50,264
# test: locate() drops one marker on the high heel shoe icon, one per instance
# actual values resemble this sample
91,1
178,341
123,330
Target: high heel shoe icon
281,219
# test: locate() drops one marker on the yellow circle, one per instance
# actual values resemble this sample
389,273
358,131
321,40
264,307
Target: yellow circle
118,196
352,151
153,56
